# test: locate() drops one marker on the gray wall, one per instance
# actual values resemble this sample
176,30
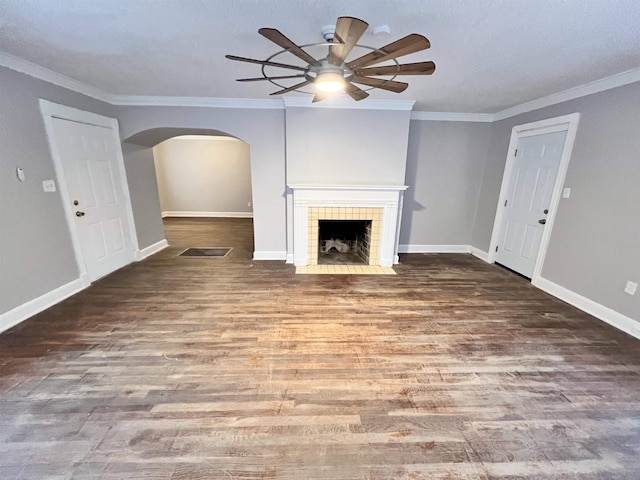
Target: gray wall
200,174
593,250
143,188
444,174
595,245
36,255
262,129
346,146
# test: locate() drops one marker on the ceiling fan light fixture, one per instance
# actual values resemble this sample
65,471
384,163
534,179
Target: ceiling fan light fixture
329,82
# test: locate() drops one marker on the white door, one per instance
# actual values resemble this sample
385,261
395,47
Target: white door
90,164
528,200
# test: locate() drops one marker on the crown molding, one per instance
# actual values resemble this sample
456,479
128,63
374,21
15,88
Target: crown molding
452,117
210,102
607,83
342,102
36,71
41,73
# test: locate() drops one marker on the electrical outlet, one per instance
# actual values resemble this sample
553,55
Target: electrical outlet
248,204
630,288
566,193
48,185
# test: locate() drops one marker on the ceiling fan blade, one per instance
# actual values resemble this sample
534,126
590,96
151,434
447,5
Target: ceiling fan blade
390,85
318,97
348,32
406,45
257,79
292,88
280,39
354,92
420,68
265,62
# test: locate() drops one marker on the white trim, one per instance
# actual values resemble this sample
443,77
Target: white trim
29,309
452,117
565,122
481,254
607,315
270,255
176,213
433,248
289,218
371,188
49,111
58,110
208,102
151,249
46,75
607,83
345,102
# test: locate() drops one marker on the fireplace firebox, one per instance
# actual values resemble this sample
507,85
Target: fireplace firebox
344,242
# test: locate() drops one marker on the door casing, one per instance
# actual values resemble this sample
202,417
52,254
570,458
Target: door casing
556,124
49,111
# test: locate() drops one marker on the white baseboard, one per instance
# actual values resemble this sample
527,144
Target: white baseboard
481,254
37,305
151,249
433,248
289,258
208,214
270,255
607,315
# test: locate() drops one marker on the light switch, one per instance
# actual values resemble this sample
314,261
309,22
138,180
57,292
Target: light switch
48,185
566,193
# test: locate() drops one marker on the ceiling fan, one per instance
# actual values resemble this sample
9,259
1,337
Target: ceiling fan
333,73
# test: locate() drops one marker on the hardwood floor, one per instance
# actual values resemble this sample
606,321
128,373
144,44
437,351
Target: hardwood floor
222,368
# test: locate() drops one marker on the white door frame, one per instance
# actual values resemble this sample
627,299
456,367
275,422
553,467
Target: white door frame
49,111
568,123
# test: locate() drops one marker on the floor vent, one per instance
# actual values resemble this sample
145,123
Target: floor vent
206,252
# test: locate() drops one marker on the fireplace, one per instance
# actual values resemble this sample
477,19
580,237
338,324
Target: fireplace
375,209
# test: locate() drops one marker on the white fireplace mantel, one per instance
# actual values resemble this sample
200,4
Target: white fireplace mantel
387,197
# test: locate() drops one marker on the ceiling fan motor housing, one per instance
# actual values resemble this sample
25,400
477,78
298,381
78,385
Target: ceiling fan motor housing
328,32
326,68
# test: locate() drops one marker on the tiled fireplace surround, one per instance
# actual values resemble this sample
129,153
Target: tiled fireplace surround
380,204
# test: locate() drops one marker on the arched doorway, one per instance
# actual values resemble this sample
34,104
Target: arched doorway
201,193
204,176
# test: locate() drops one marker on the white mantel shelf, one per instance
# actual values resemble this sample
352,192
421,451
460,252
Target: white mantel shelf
387,197
393,188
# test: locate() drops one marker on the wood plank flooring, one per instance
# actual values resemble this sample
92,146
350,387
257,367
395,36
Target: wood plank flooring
223,368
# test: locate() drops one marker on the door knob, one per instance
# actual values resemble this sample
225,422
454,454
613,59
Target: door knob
79,214
542,221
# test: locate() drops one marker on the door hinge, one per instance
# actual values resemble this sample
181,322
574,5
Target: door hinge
496,248
515,153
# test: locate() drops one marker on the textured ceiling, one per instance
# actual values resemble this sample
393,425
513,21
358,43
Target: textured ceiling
490,54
